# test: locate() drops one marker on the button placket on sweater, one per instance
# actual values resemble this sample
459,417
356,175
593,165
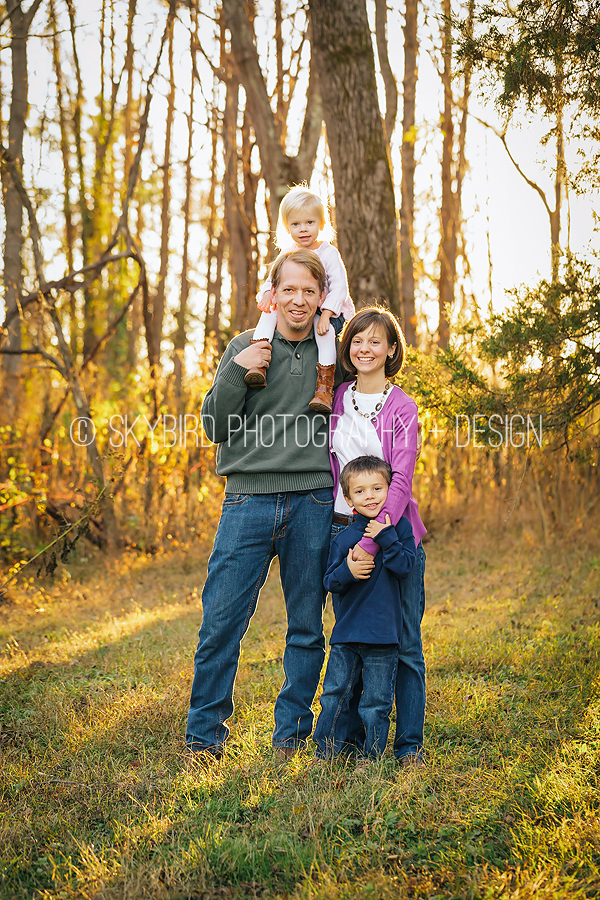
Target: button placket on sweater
297,360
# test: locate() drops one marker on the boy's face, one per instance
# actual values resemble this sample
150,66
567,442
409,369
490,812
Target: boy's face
367,493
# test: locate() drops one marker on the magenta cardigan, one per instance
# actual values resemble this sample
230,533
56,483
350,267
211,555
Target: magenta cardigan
396,426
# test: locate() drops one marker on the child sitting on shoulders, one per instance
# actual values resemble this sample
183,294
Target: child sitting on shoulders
366,637
303,223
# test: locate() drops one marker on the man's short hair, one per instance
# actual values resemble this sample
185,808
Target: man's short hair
363,465
307,258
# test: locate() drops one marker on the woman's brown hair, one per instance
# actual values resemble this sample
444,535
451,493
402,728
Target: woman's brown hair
375,317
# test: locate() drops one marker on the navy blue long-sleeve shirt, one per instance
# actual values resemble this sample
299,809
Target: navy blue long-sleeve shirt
370,610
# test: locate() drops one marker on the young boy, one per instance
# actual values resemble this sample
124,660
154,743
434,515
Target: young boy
368,629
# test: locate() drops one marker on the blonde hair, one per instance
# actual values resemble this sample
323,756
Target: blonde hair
296,200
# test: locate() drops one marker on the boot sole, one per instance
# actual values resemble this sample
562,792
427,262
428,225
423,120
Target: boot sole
255,379
317,406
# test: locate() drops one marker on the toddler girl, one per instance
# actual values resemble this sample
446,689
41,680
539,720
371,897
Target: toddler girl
303,222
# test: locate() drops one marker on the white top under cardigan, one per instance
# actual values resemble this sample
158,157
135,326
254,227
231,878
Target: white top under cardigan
355,436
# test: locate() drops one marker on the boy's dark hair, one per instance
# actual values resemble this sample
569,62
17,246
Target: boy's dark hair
362,465
378,317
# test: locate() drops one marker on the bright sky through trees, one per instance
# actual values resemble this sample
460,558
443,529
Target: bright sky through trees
496,199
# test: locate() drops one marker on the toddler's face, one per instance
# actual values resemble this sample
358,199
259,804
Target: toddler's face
304,227
367,492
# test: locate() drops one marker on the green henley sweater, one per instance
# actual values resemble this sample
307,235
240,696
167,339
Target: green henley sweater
269,440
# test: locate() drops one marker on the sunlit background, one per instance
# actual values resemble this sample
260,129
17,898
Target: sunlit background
506,228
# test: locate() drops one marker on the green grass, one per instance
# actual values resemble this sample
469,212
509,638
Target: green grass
97,800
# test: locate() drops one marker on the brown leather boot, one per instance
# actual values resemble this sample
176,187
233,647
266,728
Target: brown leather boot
323,400
256,377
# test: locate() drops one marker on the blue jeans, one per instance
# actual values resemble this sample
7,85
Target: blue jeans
254,528
347,662
410,682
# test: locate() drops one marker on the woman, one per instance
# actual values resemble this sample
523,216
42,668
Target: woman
373,417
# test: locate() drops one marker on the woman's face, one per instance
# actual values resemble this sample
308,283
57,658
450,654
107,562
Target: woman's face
369,350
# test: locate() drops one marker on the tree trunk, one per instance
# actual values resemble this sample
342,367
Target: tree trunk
20,23
180,334
391,89
558,180
211,284
280,107
237,261
65,154
136,318
364,192
158,312
250,227
447,254
407,209
91,325
129,102
240,215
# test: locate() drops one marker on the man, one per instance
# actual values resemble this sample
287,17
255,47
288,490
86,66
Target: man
278,502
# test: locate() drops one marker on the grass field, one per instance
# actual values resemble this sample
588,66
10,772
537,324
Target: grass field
97,801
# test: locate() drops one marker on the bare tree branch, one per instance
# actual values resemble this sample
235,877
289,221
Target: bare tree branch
502,136
311,127
36,351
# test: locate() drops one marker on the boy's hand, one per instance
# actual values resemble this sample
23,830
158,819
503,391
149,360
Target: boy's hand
360,568
323,323
374,527
265,303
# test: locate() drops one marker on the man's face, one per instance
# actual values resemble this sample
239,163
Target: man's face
297,296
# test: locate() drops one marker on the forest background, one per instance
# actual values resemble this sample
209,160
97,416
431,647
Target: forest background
145,152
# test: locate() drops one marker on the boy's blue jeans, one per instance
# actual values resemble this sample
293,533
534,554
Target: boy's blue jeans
347,662
253,529
410,681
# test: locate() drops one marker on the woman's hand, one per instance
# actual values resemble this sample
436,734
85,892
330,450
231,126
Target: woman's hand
362,568
358,554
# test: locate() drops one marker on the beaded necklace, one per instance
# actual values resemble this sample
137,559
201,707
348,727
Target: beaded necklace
378,406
